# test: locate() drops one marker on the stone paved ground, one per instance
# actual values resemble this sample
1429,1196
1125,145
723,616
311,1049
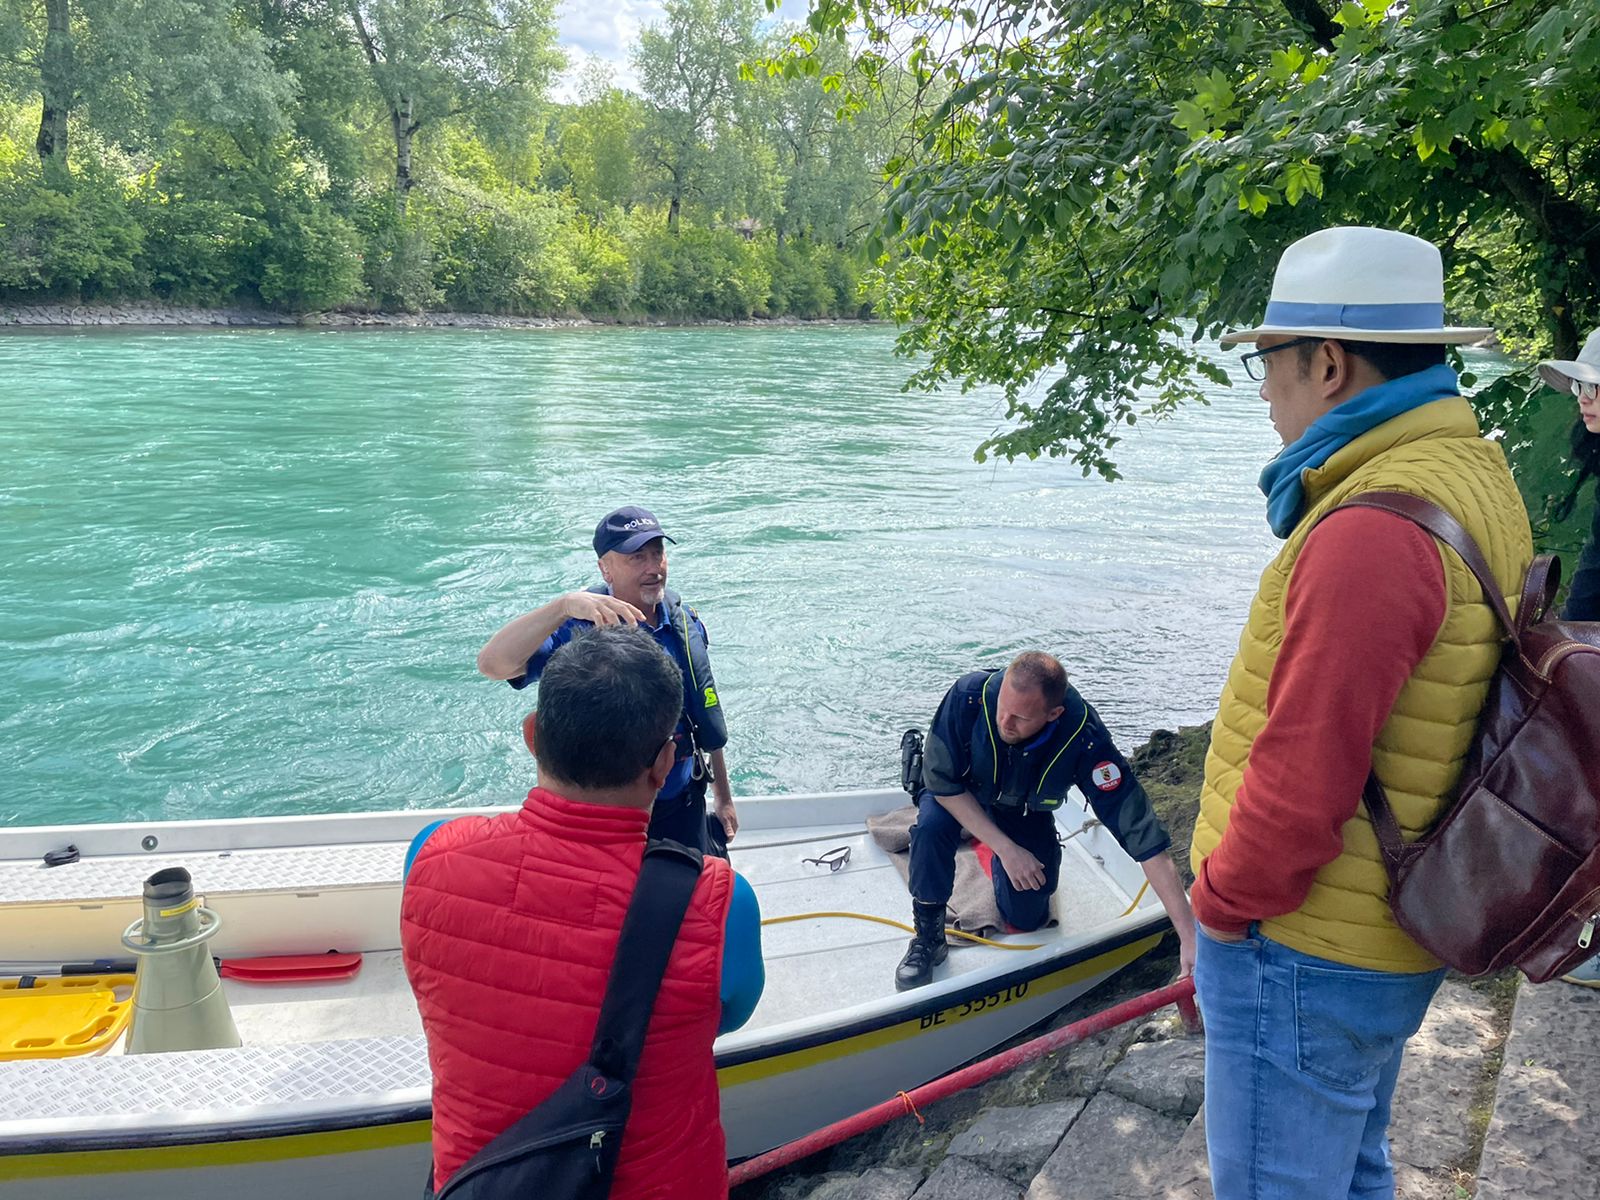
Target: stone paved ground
1120,1117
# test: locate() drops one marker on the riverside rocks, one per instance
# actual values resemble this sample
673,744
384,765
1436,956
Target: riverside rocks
1131,1137
151,313
1016,1142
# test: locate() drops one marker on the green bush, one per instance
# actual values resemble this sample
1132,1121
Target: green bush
77,242
502,252
606,280
843,272
800,283
398,266
702,273
196,249
311,260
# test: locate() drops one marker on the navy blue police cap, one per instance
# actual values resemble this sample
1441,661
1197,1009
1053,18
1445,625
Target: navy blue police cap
626,530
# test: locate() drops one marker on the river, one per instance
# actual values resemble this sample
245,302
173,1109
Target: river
249,572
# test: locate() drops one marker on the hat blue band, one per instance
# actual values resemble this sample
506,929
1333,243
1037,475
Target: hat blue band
1356,316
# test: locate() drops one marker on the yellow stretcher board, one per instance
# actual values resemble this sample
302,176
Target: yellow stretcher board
58,1018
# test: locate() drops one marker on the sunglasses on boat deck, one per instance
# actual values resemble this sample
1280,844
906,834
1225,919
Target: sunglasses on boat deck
834,859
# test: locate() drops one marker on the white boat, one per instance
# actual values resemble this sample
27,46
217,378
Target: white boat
328,1097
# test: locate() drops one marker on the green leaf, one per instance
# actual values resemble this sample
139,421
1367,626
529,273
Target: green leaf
1300,179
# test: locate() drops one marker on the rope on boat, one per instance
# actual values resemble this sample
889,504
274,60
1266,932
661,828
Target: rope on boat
890,921
911,1107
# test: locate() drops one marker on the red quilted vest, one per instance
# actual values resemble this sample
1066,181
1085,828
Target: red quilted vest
508,925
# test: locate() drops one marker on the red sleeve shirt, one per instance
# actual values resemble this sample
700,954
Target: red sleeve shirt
1365,603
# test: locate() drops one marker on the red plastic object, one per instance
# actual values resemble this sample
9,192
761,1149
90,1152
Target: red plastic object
906,1103
985,858
292,968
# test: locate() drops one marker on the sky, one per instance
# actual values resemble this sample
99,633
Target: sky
606,29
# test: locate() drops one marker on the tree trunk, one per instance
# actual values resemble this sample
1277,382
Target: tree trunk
404,130
673,209
55,85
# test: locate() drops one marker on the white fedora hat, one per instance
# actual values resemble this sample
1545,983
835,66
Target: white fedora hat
1362,284
1562,373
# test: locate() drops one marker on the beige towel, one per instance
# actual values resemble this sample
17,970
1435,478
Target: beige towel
972,908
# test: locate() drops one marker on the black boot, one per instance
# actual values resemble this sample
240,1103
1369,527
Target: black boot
927,950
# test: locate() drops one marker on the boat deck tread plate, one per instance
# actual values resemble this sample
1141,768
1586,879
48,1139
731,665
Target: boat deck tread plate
245,1077
298,868
239,872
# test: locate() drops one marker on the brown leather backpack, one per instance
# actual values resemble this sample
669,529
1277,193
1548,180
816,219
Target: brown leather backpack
1510,875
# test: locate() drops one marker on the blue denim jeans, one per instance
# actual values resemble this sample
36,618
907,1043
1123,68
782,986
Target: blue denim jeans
1301,1059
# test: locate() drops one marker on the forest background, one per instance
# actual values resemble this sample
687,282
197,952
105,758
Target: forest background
408,154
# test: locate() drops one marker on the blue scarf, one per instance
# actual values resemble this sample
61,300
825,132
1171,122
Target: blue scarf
1283,480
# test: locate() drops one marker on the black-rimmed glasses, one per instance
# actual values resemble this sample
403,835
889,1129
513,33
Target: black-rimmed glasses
1256,369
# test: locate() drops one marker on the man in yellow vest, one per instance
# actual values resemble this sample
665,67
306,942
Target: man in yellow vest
1368,647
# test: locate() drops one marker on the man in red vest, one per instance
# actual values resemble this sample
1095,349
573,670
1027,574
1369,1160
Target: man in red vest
509,925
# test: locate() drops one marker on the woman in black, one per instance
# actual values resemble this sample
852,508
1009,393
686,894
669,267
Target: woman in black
1581,377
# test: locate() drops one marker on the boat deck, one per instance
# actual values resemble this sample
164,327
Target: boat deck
334,1045
215,872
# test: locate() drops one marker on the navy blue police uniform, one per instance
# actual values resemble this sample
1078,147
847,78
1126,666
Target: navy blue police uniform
1020,787
679,812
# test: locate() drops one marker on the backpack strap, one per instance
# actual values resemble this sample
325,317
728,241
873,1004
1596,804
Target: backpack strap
667,880
1449,531
1538,591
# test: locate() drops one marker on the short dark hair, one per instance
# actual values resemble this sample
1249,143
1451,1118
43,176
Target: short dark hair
1041,672
1389,359
608,699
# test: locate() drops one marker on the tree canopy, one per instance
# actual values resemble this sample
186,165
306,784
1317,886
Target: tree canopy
1106,183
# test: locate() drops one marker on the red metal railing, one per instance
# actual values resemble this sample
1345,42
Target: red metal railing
905,1104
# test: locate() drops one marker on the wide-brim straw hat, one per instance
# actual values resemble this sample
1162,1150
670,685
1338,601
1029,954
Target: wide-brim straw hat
1362,285
1561,373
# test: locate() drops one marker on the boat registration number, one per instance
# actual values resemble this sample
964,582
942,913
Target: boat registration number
978,1004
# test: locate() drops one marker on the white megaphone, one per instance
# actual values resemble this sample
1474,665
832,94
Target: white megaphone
178,1003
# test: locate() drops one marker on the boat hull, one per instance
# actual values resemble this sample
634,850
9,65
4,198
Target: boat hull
768,1098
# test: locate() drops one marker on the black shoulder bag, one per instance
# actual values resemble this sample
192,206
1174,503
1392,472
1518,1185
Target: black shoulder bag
567,1147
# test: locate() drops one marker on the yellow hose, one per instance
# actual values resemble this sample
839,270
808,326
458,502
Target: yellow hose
855,916
892,923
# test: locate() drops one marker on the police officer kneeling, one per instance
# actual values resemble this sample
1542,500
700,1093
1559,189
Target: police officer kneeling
1004,748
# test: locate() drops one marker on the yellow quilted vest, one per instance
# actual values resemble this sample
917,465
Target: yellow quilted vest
1436,452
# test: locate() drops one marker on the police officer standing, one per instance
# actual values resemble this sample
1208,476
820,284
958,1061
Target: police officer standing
631,548
1004,748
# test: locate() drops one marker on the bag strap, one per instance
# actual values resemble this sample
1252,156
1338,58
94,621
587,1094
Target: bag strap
1449,531
1537,592
667,880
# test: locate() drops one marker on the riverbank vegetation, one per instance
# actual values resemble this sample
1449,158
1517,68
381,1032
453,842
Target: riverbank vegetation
407,154
1104,186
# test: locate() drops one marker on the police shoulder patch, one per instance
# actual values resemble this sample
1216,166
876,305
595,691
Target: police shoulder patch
1107,776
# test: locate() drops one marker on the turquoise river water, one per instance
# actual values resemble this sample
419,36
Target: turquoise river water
248,572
